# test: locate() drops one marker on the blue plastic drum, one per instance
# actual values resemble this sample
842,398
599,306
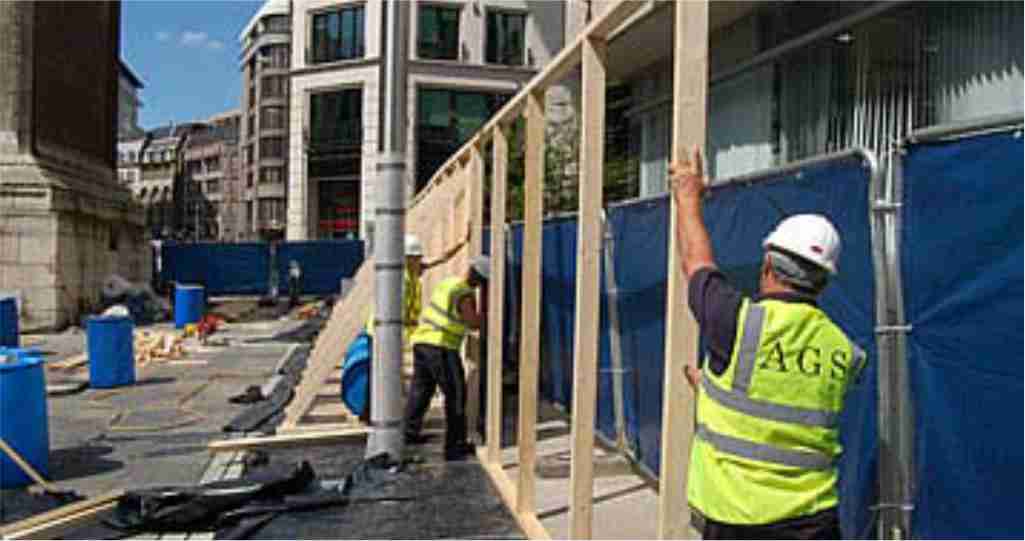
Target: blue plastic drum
26,425
355,371
189,305
111,352
8,322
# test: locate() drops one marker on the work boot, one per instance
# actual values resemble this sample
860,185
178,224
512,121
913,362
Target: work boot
461,451
418,439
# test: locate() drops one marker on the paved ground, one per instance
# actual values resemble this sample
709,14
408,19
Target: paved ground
140,435
154,440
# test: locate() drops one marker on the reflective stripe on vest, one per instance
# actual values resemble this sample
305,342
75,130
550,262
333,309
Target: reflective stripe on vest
440,324
765,453
412,291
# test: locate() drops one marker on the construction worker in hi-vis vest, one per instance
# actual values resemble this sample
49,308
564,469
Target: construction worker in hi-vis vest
772,385
412,299
451,312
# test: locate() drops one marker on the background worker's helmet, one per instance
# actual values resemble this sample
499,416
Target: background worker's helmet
482,266
413,246
809,236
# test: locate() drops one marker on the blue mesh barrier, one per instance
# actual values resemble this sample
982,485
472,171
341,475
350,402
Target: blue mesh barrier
961,249
223,269
323,262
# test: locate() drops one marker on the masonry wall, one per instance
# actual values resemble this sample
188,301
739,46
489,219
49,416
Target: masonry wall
65,223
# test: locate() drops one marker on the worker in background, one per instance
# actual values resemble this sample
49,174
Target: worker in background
451,312
412,298
295,275
771,389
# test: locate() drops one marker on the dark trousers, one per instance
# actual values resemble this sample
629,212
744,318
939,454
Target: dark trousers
437,367
293,290
822,525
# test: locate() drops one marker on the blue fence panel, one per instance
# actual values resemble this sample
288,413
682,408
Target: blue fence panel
639,235
323,262
223,269
962,275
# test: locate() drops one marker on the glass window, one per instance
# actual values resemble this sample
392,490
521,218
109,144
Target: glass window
213,186
506,43
336,117
445,120
439,33
338,35
272,118
272,175
336,134
275,56
273,86
338,205
278,24
272,147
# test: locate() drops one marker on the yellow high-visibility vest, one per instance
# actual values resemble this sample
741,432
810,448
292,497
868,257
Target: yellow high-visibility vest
412,301
440,322
767,442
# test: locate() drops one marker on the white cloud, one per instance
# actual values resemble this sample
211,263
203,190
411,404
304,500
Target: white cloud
163,36
193,39
215,44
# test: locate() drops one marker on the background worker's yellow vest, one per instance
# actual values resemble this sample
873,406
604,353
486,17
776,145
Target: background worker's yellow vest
767,441
412,298
440,322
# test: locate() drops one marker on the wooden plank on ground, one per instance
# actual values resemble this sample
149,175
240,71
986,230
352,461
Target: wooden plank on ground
53,524
530,344
690,82
589,249
527,520
287,440
496,294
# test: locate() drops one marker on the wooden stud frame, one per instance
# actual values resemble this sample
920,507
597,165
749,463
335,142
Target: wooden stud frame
690,84
589,253
496,296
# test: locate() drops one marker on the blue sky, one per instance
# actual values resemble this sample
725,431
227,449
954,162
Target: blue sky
186,53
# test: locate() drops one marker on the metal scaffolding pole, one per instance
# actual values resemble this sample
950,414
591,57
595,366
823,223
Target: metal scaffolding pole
389,251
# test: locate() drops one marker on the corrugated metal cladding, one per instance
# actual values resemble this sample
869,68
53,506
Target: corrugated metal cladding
910,67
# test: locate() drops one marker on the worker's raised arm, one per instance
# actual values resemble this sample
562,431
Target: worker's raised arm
469,313
448,253
687,182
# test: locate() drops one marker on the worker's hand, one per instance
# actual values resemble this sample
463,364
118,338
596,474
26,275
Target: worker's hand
693,375
687,178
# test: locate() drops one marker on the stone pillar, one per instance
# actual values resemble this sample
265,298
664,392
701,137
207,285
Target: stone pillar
15,85
65,223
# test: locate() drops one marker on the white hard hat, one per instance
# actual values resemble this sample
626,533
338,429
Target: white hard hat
413,246
481,265
810,236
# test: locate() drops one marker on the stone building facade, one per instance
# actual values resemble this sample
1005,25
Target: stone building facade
65,222
465,59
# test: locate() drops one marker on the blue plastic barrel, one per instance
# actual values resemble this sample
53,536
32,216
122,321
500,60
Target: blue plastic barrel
355,369
26,425
189,305
111,354
8,322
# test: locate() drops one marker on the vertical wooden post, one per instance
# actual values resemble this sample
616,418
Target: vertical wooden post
474,175
530,343
589,251
496,294
690,84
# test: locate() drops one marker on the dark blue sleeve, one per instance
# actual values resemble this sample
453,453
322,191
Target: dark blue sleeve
715,305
